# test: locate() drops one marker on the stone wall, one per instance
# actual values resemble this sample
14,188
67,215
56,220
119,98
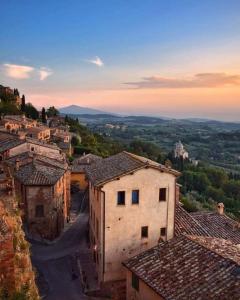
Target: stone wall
17,277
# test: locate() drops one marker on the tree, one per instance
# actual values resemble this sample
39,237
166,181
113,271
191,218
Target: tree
16,92
31,111
44,120
23,104
52,112
8,108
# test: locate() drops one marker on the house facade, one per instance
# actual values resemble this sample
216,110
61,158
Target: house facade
78,170
132,207
43,189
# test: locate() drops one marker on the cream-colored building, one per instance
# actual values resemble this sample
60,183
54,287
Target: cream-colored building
179,151
132,207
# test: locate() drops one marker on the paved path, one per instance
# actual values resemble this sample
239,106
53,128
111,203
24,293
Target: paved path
58,263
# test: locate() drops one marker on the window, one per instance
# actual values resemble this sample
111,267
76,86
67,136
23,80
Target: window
162,194
144,232
135,282
121,198
135,197
163,231
32,149
39,211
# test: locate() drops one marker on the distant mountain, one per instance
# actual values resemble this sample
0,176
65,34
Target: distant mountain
79,110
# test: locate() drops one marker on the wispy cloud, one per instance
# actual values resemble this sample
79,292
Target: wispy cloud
201,80
18,71
25,72
44,73
96,61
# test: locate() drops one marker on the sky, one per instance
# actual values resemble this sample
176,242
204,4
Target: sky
175,58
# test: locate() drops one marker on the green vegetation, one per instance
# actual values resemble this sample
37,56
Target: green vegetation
203,186
31,111
52,112
91,142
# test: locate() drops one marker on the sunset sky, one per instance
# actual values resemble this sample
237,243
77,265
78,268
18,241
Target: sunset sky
154,57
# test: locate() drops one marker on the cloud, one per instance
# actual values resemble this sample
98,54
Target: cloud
18,71
25,72
96,61
44,73
201,80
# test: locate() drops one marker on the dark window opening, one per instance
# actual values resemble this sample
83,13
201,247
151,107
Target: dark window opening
121,198
163,231
39,211
135,197
144,232
32,149
162,194
135,282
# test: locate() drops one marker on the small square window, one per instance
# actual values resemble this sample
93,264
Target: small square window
135,282
144,232
121,198
39,211
163,231
162,194
135,197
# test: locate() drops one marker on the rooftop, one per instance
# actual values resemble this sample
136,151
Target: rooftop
219,226
80,163
121,164
190,267
38,172
185,223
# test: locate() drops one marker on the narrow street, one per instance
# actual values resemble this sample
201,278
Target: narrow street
58,264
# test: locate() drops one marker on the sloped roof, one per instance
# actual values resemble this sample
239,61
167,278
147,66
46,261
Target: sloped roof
190,268
185,223
219,226
36,173
9,144
121,164
79,164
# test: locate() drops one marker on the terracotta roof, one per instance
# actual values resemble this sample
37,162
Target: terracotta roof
9,144
37,173
190,268
219,226
121,164
28,156
41,143
79,164
185,223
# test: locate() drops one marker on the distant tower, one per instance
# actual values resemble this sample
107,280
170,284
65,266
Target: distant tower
179,151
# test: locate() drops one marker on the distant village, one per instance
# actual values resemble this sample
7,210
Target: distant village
144,245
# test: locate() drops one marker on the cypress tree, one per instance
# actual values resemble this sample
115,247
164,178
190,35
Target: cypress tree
44,120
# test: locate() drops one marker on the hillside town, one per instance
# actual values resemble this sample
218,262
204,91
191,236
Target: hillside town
114,225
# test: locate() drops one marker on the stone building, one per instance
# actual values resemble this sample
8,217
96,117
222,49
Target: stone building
13,146
179,151
78,169
132,207
13,123
43,188
41,133
186,267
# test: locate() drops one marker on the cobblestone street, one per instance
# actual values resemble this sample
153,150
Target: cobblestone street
60,264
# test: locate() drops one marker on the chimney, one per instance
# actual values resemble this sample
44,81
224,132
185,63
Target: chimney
220,208
17,164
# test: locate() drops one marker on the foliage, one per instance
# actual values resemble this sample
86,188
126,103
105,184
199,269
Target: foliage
210,185
43,115
31,111
23,103
9,108
52,112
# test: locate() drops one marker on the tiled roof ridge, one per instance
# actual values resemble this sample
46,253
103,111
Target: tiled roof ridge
201,240
150,162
